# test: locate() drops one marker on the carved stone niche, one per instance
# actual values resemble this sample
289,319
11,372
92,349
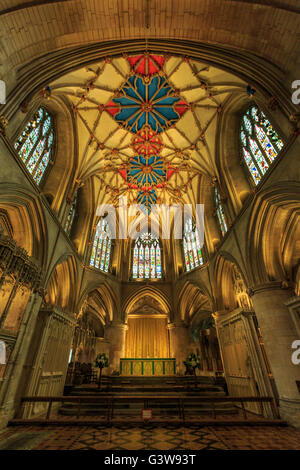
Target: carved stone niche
293,305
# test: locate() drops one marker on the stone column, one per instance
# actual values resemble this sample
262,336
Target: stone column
179,344
115,333
17,359
37,365
279,332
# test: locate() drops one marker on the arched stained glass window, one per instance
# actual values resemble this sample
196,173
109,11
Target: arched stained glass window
193,254
100,257
260,143
71,215
146,257
220,212
35,145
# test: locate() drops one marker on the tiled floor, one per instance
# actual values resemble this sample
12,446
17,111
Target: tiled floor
150,437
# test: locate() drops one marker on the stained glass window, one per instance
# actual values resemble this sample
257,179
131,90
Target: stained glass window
260,143
193,255
35,144
146,257
220,212
71,215
100,257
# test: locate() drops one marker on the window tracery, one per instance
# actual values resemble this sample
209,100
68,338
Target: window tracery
71,216
193,254
147,257
35,144
260,143
101,251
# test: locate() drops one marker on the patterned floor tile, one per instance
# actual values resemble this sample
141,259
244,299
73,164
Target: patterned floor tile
150,437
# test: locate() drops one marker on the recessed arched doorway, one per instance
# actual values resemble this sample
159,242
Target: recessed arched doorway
147,343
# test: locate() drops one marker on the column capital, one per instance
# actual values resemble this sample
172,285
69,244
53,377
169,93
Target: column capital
117,324
219,314
272,285
177,324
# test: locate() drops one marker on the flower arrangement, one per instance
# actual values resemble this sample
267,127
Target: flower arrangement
101,361
192,363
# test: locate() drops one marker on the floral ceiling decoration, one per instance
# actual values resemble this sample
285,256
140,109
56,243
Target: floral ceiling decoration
146,172
147,125
146,142
153,103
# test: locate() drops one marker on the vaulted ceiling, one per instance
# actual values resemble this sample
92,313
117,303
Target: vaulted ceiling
32,28
146,125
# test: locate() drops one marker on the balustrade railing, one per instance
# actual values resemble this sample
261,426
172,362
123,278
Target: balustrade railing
180,401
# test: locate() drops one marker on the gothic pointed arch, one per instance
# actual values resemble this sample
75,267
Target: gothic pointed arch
26,220
60,287
230,284
272,230
161,300
106,295
192,300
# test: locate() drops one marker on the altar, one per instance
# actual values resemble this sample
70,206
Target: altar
147,345
147,366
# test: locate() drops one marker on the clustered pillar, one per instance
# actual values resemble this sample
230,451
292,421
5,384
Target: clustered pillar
179,344
279,333
115,333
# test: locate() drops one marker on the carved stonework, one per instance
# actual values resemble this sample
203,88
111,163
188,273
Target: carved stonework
146,305
3,124
241,292
15,260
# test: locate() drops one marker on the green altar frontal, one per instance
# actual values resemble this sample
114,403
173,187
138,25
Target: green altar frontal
147,367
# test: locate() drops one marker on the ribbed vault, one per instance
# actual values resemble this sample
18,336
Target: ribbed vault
146,125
